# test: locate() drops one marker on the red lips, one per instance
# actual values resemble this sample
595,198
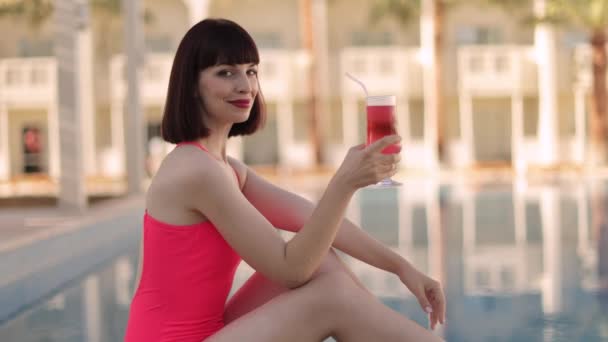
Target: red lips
240,103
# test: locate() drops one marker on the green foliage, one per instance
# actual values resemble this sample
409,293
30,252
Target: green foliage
401,10
589,14
404,11
113,7
37,12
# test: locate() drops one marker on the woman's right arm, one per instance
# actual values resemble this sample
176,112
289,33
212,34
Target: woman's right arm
254,238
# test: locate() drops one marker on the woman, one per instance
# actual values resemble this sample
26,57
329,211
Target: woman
206,211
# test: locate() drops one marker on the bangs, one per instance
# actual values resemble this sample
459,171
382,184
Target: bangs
238,52
229,45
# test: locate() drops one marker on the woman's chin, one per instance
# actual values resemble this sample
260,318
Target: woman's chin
242,118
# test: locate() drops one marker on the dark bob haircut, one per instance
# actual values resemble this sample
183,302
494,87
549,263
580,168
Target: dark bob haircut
208,43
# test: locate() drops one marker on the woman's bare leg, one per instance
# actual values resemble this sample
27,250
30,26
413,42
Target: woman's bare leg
258,289
330,304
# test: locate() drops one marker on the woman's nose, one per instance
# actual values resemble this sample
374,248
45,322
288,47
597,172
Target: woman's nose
244,85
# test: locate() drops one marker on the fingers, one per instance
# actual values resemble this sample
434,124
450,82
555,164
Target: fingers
437,300
385,172
367,165
387,163
441,306
427,307
432,302
380,144
385,166
390,158
432,320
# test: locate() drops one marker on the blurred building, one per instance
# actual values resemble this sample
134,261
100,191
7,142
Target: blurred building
490,84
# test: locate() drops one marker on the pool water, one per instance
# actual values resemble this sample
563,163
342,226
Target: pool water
518,261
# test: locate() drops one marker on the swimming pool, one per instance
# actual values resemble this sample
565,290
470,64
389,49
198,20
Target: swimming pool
519,262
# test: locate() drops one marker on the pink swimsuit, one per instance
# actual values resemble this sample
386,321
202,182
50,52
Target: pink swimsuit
186,278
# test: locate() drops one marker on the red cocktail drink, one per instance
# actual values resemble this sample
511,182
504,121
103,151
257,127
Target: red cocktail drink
381,121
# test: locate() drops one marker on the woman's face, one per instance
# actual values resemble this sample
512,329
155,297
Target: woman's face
227,92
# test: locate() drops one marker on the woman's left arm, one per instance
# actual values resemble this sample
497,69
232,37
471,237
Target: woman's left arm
288,211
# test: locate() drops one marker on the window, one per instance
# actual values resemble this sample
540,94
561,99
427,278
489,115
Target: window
33,145
37,47
479,35
366,38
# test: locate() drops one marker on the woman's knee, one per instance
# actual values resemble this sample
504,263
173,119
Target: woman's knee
333,286
334,295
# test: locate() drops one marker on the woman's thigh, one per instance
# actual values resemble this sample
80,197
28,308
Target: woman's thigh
302,314
258,289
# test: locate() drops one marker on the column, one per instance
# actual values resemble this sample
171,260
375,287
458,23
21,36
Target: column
87,107
544,43
72,16
285,131
465,102
350,121
117,150
53,133
427,39
321,63
197,10
580,131
92,309
519,159
5,155
403,125
134,122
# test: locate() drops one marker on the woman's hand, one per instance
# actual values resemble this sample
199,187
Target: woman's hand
364,166
428,292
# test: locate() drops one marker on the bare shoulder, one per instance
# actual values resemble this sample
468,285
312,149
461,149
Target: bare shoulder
178,182
187,167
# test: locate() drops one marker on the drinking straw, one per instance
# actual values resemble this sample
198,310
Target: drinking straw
358,81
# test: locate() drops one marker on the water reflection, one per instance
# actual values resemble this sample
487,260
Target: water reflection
94,309
519,262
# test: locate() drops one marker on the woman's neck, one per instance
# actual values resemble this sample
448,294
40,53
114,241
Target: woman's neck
216,145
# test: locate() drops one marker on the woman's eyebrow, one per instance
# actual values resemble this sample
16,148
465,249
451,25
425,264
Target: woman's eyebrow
236,64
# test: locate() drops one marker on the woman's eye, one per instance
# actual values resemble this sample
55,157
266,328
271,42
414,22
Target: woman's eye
225,73
252,72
